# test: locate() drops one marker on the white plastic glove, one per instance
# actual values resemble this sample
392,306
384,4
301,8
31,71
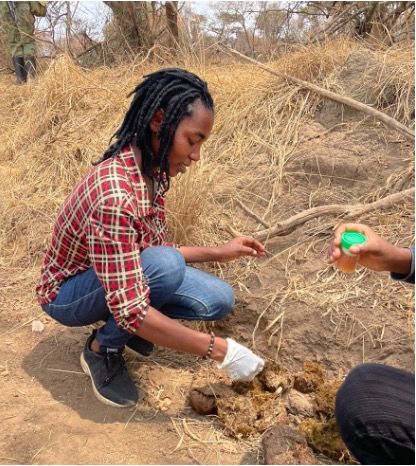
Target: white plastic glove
240,362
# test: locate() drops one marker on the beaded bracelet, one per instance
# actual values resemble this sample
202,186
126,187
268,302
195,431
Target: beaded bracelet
210,347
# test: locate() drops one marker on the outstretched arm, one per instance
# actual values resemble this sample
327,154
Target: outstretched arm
233,249
169,333
240,362
376,254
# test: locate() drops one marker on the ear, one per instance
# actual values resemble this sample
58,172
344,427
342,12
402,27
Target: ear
156,120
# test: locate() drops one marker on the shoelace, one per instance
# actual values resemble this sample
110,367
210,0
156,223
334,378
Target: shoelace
114,363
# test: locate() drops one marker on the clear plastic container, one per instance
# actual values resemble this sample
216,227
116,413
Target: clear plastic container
347,262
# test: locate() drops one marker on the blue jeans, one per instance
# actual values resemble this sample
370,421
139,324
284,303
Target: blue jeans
176,289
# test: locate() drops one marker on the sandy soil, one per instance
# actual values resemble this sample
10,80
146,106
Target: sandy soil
49,414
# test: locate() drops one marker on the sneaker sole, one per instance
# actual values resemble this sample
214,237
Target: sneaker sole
104,400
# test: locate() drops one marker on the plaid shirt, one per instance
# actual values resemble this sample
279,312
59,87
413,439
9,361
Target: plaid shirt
105,223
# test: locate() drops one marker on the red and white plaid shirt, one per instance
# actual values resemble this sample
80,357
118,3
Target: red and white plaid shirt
105,223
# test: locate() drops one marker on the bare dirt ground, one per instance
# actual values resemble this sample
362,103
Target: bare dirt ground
49,414
291,308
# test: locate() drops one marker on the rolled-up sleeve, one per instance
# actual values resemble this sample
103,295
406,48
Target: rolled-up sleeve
115,255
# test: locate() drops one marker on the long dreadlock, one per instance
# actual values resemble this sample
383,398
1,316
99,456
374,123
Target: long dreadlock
174,90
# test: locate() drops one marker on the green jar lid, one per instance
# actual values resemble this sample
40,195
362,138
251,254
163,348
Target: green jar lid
350,238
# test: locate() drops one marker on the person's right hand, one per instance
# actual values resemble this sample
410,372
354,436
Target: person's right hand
241,363
375,254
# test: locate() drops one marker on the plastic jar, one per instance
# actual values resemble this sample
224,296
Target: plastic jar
348,261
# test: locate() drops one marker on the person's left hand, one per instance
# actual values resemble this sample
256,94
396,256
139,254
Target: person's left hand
240,246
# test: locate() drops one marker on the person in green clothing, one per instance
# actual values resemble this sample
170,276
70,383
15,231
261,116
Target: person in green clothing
18,21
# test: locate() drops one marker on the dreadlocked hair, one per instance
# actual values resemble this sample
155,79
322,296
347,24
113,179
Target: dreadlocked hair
174,90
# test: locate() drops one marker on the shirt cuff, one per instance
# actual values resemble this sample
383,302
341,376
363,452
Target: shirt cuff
410,276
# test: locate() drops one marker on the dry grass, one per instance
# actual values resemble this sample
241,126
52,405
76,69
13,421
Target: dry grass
53,129
396,84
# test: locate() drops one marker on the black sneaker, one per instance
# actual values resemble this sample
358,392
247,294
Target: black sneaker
139,346
110,380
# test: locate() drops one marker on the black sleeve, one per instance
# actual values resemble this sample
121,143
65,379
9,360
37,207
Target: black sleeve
407,278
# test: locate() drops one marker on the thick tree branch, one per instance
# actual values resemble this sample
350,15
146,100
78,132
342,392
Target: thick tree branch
285,227
387,120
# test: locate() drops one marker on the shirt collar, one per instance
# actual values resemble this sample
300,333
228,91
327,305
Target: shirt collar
128,159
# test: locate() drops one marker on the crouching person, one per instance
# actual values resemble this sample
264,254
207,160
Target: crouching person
108,259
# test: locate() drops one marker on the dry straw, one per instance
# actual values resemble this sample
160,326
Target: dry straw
54,128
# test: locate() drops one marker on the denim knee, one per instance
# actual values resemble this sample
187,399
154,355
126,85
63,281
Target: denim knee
225,301
164,269
172,261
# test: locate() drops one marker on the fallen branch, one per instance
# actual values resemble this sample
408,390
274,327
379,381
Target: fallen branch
348,211
252,214
387,120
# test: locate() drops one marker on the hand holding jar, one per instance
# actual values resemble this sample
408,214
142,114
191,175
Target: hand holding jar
375,253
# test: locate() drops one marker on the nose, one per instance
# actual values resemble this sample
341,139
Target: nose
195,155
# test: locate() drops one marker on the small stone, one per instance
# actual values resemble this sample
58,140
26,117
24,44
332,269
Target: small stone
37,326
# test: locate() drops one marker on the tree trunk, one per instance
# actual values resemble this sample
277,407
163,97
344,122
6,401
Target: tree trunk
131,19
172,21
364,25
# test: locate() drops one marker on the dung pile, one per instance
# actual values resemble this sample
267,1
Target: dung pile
298,410
245,407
